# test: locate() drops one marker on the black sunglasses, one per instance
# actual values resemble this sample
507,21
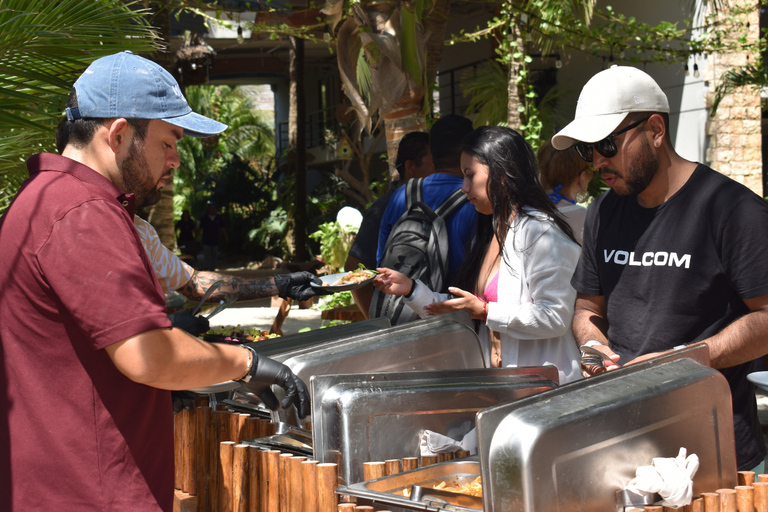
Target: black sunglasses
605,147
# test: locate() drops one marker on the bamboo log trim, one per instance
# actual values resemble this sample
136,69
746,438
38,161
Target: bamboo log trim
652,508
284,498
427,460
727,500
745,498
177,451
218,420
327,482
203,421
697,505
309,480
346,507
254,478
240,478
250,428
746,477
392,467
270,480
762,478
363,508
761,496
373,470
190,464
296,483
711,501
410,463
226,455
460,454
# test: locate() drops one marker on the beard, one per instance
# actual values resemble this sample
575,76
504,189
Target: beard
640,171
137,177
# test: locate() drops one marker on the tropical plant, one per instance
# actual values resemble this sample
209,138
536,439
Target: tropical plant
44,46
233,169
383,65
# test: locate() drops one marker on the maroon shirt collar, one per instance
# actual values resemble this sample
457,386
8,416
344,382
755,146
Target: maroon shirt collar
43,162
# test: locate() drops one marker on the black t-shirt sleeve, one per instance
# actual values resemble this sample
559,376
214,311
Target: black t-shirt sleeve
744,245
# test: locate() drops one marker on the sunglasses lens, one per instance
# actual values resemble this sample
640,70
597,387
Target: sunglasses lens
584,150
606,147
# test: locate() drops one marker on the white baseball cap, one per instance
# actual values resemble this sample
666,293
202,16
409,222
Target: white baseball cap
606,100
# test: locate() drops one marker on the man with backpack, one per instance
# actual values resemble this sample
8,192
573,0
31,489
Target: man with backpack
428,240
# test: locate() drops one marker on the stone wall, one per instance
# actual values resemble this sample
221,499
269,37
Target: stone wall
735,140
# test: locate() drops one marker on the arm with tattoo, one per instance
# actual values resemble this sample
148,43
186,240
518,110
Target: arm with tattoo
245,289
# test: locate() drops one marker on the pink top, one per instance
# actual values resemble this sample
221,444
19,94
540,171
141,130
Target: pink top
491,292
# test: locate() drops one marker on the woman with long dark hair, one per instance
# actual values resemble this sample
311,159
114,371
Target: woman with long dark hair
522,295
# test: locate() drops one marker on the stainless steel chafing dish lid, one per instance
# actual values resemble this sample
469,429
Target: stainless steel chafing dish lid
572,447
304,339
388,491
430,344
380,416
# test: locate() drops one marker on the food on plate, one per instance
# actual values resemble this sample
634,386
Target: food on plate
240,334
471,488
355,276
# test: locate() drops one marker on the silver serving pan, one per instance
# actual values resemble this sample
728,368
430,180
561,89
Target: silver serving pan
292,440
573,447
389,492
292,342
379,416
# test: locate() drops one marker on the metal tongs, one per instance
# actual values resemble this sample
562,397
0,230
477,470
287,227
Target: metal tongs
207,295
223,304
426,494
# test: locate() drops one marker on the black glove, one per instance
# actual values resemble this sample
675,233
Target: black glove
182,401
265,372
296,285
194,325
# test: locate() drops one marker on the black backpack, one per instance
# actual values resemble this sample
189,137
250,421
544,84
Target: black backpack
418,247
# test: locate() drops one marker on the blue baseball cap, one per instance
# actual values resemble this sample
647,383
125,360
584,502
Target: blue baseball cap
126,85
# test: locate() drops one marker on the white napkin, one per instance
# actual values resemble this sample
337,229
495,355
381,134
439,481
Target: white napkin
672,478
432,443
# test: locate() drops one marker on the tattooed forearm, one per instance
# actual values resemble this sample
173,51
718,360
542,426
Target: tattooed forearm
245,289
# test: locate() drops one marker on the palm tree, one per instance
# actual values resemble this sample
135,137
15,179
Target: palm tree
382,63
44,46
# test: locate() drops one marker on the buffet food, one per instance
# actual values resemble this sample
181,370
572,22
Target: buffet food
356,276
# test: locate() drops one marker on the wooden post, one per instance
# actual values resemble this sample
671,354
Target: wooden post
269,500
391,466
285,482
190,451
711,501
697,505
218,419
745,497
178,463
727,500
254,478
240,478
373,470
761,496
427,460
410,463
309,481
203,421
226,455
746,477
296,484
327,481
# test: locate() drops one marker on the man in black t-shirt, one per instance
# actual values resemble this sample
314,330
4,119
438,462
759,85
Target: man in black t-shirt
674,253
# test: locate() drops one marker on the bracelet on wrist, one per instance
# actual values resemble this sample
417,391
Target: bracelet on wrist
410,292
485,310
251,356
591,343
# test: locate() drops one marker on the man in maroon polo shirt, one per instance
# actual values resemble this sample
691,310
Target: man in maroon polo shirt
87,354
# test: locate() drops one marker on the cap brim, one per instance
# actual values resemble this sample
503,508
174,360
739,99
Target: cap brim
587,129
195,125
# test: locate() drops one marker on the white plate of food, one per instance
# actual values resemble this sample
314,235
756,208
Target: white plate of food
217,388
759,379
344,281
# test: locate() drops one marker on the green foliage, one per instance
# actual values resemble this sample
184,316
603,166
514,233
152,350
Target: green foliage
337,300
335,242
44,46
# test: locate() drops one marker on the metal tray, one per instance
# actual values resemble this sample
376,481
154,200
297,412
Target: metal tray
292,440
284,344
387,492
374,417
572,447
